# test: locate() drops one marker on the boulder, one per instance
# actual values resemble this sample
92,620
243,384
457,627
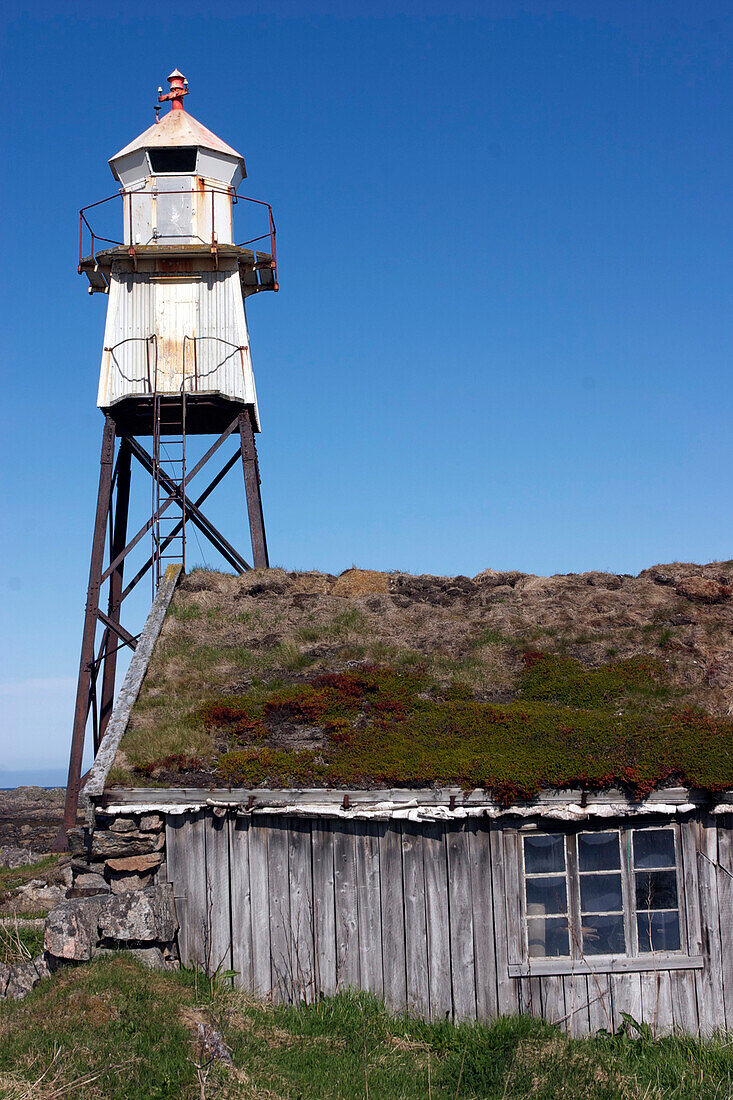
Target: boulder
91,882
13,857
139,915
137,864
37,894
105,843
71,928
152,957
22,980
123,884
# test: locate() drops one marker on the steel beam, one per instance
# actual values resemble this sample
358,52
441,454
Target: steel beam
193,513
169,538
118,534
85,683
251,469
146,527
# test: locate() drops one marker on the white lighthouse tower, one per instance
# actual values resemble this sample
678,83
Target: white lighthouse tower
176,362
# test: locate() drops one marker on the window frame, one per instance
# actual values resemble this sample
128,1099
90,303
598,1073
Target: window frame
631,959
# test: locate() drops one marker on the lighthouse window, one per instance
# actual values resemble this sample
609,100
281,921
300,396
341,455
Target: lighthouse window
601,892
182,159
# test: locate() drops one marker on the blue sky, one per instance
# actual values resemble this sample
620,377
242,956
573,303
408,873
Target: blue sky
503,333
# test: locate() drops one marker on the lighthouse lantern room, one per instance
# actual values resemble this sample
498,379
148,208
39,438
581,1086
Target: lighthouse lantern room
176,362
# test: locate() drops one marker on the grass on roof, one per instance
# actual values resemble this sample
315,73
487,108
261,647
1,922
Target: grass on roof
617,724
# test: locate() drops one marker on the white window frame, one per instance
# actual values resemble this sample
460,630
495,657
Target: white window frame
577,961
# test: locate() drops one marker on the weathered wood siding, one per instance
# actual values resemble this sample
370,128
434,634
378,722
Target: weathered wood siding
429,917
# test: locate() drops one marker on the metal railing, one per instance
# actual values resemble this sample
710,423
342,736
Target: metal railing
88,233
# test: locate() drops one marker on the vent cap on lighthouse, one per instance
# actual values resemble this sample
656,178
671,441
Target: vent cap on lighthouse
178,144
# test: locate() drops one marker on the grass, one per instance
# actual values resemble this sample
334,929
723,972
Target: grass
113,1031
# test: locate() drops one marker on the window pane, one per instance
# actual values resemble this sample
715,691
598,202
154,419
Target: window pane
656,890
598,851
654,848
544,853
658,931
546,895
604,935
600,893
548,936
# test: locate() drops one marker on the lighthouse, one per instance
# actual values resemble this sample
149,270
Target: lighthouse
175,363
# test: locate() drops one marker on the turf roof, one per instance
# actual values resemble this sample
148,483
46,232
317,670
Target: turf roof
503,681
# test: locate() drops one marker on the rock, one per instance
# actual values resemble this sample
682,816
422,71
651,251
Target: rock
87,867
139,915
4,978
71,928
123,825
123,884
22,980
43,969
212,1045
91,882
13,857
152,957
105,843
136,863
150,823
37,894
703,590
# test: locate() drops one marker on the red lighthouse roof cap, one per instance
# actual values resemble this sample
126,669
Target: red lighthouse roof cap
177,128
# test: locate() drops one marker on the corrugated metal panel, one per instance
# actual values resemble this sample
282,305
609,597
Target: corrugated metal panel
207,311
130,323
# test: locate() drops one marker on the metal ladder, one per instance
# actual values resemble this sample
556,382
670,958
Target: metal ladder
169,479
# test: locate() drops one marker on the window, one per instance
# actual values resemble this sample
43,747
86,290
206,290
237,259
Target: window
601,892
182,159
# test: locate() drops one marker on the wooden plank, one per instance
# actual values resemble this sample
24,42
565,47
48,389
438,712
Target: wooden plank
684,1001
656,1002
394,966
260,905
198,915
301,909
438,927
626,997
725,903
508,992
482,914
281,943
176,845
416,934
613,964
460,903
241,902
369,908
553,1001
218,905
324,917
576,1005
710,979
347,923
689,835
599,1003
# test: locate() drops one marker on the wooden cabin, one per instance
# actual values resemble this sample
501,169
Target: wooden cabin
447,897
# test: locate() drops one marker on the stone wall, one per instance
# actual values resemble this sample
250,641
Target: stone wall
119,899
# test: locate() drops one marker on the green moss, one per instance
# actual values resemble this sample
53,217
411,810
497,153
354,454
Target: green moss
384,726
565,680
